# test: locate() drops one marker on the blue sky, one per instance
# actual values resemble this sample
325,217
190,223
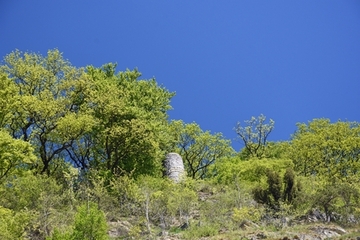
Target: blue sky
292,61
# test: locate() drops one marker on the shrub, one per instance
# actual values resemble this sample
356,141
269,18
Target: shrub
197,232
246,214
12,225
90,224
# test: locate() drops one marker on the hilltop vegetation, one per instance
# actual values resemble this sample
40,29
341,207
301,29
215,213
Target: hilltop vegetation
81,153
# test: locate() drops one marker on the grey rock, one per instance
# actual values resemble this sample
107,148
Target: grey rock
326,231
174,167
119,229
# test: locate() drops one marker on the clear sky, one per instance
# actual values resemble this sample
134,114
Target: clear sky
292,61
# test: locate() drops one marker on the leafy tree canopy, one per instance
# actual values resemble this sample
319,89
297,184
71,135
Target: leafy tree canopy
199,149
326,149
93,117
16,155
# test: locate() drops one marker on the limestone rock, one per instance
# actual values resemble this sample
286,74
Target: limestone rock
119,229
328,231
174,167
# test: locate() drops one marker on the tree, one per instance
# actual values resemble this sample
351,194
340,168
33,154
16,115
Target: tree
93,117
8,98
131,119
253,170
255,135
277,189
325,149
46,203
181,200
199,149
290,185
47,107
12,224
16,155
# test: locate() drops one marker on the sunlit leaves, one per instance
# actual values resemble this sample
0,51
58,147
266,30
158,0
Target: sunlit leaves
130,121
327,149
15,155
199,149
8,98
49,94
253,170
12,224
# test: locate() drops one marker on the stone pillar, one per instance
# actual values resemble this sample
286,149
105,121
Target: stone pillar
174,167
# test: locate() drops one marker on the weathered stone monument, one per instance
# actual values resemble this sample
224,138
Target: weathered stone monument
174,167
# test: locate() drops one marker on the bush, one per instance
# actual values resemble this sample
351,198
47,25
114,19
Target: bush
12,225
246,214
197,232
90,224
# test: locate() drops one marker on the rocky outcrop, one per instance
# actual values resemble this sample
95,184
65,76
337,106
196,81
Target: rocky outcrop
119,229
174,167
328,231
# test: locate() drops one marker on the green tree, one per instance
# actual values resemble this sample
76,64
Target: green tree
254,135
199,149
326,149
8,98
15,155
182,199
131,117
47,203
278,189
47,108
251,171
90,223
13,224
289,185
272,194
93,117
154,195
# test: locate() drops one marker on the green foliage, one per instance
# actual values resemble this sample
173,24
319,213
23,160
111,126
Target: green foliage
13,224
329,150
15,155
182,200
128,195
131,121
82,145
98,189
216,204
254,135
47,203
94,117
272,150
243,214
202,231
340,198
47,111
158,201
277,189
289,185
8,98
154,200
253,170
90,223
58,235
199,149
275,185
